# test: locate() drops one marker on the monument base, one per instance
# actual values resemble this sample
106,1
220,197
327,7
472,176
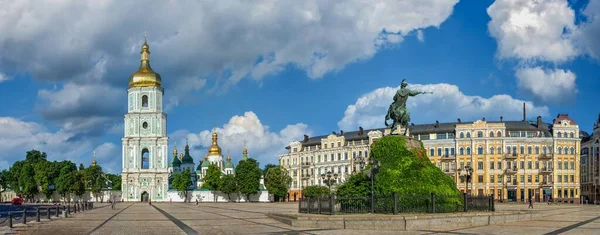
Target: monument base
398,131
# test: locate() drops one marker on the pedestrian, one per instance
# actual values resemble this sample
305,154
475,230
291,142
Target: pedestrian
112,203
530,203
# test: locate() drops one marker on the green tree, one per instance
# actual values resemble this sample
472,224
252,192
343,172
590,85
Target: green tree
79,183
315,191
4,182
35,156
228,185
94,179
27,182
357,186
277,181
43,177
14,174
182,182
248,177
66,183
212,178
266,168
81,167
115,181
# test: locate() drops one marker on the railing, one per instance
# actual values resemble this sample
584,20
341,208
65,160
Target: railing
511,170
305,164
546,170
29,214
545,156
511,155
395,204
448,157
449,171
546,183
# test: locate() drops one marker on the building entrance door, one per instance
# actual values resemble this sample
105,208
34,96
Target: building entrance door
145,196
512,195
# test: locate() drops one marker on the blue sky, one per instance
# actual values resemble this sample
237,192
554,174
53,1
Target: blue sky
266,74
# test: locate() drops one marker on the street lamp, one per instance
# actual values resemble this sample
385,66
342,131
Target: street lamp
374,166
467,173
329,179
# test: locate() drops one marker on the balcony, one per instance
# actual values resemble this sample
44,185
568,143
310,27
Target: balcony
511,156
511,170
305,176
449,171
305,164
546,170
546,184
447,157
545,156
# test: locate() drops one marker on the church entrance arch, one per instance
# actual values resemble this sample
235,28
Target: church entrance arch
145,196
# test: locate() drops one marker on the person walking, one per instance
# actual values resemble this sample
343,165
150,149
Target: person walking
112,203
530,203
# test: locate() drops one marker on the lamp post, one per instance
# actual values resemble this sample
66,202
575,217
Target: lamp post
374,166
329,178
467,172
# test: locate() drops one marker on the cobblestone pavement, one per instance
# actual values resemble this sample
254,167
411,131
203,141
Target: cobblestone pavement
250,218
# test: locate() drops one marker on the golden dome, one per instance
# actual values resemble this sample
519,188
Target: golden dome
228,156
145,76
94,160
214,149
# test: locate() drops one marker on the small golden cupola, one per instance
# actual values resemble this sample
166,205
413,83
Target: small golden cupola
245,152
94,160
145,76
214,149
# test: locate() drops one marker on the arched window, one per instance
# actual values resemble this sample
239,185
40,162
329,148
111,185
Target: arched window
522,149
462,135
572,152
565,134
559,134
544,150
491,134
499,134
479,134
439,151
529,150
508,149
559,150
571,135
499,150
144,101
479,150
432,152
514,149
461,151
468,150
145,159
468,134
537,149
492,149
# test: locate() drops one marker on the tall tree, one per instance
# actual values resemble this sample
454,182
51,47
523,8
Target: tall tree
14,174
228,185
94,179
43,177
81,167
277,181
27,182
182,182
66,183
79,183
211,179
115,181
266,168
4,182
248,177
35,156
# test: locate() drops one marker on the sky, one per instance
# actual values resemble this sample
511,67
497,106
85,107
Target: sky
265,73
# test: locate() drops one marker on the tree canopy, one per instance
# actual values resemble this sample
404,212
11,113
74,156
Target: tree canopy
277,181
212,178
248,177
315,191
267,167
181,183
228,185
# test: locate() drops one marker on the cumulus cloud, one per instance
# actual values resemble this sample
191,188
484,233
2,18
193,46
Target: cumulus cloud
589,30
263,144
17,137
4,78
446,105
549,85
533,30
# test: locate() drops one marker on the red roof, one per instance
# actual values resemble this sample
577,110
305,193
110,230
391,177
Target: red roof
563,116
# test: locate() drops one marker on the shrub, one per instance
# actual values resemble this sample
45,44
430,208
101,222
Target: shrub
315,191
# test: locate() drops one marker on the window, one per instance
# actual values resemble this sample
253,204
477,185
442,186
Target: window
462,135
572,165
492,165
522,149
480,150
339,156
508,149
522,164
571,135
522,179
492,150
529,150
480,179
491,134
145,101
560,179
145,125
332,157
537,165
514,149
468,134
529,178
537,149
499,165
441,136
492,178
529,165
499,179
537,178
439,151
432,152
499,134
572,152
461,151
572,179
566,165
452,151
468,150
446,151
145,158
480,165
499,150
479,134
325,146
346,156
559,134
559,150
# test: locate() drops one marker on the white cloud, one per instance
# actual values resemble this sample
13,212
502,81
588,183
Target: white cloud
17,137
263,144
533,30
548,85
589,31
233,38
446,105
420,36
4,77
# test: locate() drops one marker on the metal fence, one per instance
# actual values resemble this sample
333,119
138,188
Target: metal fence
395,204
29,214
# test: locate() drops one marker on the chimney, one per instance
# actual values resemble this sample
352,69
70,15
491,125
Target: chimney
458,121
524,113
360,130
341,132
501,119
483,119
333,132
539,122
305,138
437,124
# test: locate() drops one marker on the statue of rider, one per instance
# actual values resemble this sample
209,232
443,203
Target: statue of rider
397,111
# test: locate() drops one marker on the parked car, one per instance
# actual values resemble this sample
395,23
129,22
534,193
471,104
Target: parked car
17,201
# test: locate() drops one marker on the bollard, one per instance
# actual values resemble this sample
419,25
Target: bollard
10,225
465,201
65,211
24,216
57,211
37,215
48,212
432,202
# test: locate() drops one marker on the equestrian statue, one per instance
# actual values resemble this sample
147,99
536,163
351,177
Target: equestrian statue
398,112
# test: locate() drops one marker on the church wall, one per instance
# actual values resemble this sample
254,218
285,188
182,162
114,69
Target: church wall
208,196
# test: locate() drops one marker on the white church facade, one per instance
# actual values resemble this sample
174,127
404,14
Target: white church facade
147,167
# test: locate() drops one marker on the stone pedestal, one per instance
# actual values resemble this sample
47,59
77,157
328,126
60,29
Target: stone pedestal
398,131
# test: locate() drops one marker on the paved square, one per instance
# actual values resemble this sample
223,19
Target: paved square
251,218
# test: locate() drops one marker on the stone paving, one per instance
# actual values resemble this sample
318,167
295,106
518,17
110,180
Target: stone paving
250,218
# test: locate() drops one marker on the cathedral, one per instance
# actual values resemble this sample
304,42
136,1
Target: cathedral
147,169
